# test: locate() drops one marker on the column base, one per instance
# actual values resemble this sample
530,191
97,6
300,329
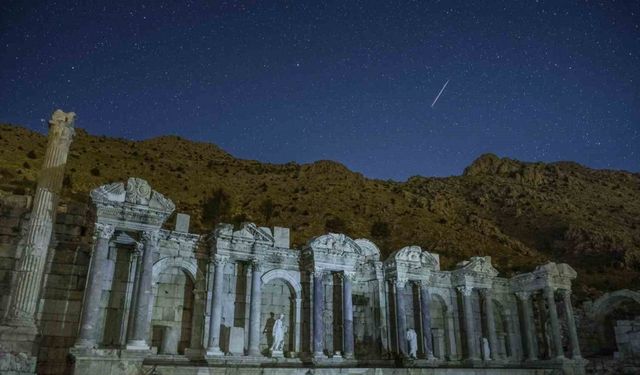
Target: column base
318,355
276,353
214,352
85,344
137,345
254,353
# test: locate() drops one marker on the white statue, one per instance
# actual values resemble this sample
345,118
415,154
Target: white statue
412,341
278,334
486,351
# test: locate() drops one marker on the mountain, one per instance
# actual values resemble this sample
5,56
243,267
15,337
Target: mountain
522,214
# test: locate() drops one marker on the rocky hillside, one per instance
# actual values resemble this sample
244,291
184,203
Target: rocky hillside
521,214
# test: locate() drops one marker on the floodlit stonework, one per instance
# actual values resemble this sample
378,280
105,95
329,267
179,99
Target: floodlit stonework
122,294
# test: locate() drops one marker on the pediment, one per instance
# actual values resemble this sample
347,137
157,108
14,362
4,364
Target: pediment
251,231
414,256
335,243
136,192
480,265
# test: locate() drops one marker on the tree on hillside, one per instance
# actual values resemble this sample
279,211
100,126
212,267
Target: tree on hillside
216,207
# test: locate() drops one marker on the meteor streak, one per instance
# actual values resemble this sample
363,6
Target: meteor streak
440,93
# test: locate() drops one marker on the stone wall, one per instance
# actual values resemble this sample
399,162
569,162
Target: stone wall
65,277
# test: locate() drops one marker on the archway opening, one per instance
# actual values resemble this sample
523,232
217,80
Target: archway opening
277,298
621,319
438,310
172,311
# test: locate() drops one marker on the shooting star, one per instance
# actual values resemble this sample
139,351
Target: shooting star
440,93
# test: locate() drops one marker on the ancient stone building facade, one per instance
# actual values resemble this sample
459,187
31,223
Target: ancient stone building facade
123,294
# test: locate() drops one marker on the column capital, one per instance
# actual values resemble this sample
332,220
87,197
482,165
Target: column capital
423,284
138,249
220,259
549,290
523,295
465,290
318,272
564,292
62,124
347,275
256,265
398,282
485,292
104,231
151,237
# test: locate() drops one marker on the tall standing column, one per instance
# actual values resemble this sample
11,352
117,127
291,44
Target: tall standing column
469,322
401,318
527,311
91,307
255,307
490,322
213,348
425,314
27,282
318,309
138,340
549,296
347,316
513,352
571,324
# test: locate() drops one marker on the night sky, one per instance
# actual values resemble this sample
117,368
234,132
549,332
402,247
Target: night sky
347,81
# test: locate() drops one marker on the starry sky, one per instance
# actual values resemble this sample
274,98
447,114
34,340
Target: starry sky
350,81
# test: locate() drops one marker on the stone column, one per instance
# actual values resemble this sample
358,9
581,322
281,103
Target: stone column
527,311
469,322
318,310
93,292
129,302
451,337
255,308
401,318
32,256
512,353
549,296
425,315
490,322
138,340
213,348
571,324
347,316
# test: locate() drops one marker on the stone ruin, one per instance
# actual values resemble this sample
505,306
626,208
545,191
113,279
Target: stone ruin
109,290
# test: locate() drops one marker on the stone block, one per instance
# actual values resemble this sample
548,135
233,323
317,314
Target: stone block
182,222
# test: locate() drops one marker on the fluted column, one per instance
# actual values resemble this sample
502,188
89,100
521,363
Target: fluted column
347,316
401,317
511,336
138,340
93,292
213,348
425,315
490,321
318,309
255,308
469,322
571,324
29,270
549,296
527,311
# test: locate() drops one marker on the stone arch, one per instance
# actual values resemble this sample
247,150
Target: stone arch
188,265
608,302
292,282
289,278
439,311
501,317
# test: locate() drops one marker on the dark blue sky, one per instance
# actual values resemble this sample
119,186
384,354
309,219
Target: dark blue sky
347,81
